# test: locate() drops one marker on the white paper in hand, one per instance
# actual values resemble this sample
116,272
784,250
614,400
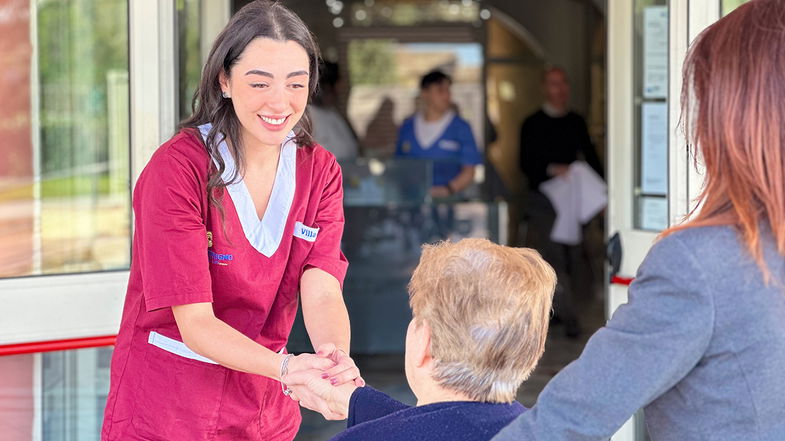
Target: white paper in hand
576,197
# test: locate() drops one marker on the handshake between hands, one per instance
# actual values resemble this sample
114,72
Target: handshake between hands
323,382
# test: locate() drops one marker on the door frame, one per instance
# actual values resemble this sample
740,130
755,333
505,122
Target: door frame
76,308
686,19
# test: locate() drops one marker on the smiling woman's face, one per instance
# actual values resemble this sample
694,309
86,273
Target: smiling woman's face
268,86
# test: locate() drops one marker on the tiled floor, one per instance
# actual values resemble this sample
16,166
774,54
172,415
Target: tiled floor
385,372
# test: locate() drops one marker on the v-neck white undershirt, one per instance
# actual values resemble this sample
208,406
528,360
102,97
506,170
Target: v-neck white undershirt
264,234
428,132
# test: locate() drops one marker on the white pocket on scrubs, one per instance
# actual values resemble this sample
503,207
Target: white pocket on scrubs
175,347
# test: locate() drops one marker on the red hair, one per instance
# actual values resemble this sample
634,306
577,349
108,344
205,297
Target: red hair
733,110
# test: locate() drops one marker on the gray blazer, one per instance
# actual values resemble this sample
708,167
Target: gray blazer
700,346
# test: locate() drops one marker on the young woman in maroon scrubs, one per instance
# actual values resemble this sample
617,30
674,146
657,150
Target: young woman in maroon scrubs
235,216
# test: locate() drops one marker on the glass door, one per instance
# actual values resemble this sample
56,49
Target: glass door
652,180
65,212
91,90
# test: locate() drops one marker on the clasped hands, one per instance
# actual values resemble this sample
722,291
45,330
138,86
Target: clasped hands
324,382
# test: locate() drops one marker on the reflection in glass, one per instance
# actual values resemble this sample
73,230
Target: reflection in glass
729,5
189,53
74,388
375,183
384,91
64,183
60,395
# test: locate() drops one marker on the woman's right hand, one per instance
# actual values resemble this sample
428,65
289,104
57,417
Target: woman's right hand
303,378
316,393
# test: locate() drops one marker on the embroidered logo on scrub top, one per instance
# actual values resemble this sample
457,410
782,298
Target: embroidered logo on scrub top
305,233
219,259
446,144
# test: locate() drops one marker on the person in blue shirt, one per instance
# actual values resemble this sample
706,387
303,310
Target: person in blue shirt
480,320
437,133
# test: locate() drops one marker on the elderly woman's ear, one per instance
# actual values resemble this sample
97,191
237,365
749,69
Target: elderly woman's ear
419,343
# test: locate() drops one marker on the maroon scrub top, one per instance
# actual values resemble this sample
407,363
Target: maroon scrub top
184,253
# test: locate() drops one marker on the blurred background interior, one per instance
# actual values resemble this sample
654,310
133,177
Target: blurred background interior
91,87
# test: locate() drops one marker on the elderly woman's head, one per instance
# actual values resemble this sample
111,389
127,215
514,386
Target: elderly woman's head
481,315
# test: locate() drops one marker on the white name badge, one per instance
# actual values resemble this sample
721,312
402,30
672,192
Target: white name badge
305,233
446,144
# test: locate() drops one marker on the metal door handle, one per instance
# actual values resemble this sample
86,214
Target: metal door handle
614,253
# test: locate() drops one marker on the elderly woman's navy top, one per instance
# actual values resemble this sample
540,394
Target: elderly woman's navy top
375,416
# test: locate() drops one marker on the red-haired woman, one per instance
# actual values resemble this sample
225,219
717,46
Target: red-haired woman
701,343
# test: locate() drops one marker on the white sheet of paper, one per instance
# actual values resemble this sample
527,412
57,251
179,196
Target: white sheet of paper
654,148
576,198
654,213
655,52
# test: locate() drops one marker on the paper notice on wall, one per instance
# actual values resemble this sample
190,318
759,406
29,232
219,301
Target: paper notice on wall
654,148
653,213
655,52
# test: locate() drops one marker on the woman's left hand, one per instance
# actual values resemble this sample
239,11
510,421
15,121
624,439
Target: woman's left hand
344,370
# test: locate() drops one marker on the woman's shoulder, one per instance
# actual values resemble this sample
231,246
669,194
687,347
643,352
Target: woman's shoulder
702,239
460,122
320,157
184,151
186,145
701,251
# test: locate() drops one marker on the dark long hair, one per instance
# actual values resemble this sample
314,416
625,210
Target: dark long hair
258,19
734,112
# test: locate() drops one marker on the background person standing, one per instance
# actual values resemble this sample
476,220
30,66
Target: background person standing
551,139
439,134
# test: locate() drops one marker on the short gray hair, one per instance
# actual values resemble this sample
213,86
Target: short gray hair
488,308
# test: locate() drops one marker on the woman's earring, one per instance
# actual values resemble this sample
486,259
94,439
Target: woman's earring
224,94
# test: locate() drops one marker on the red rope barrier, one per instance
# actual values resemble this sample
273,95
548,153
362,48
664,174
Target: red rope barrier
57,345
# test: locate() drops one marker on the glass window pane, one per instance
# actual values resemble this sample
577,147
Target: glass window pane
651,114
729,5
74,387
17,402
63,392
383,92
189,52
64,188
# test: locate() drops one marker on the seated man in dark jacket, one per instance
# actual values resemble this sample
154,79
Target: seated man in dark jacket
480,322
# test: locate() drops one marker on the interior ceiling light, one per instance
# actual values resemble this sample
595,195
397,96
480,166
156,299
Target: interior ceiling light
335,6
